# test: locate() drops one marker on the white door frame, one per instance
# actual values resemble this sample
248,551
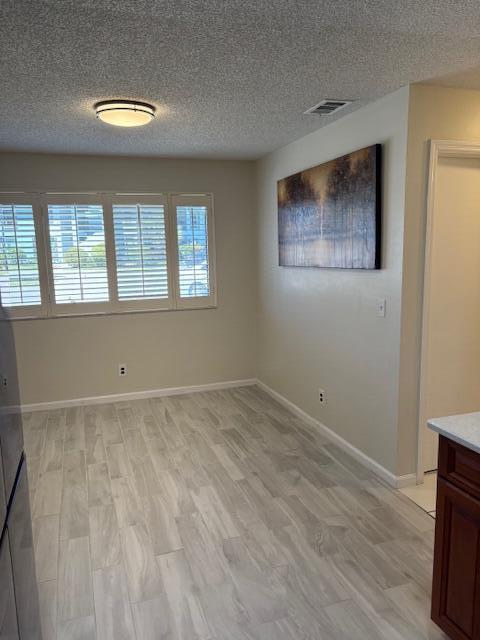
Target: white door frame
438,149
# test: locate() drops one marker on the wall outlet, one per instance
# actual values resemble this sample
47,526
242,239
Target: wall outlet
122,369
322,396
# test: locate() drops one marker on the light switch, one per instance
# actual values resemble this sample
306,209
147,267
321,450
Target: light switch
381,307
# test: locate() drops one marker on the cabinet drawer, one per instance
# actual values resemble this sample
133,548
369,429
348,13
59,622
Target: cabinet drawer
459,465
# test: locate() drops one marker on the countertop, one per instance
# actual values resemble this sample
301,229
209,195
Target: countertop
464,429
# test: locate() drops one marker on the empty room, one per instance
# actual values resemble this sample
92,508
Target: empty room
239,320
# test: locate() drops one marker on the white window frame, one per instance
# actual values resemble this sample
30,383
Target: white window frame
74,308
150,304
37,310
192,200
50,309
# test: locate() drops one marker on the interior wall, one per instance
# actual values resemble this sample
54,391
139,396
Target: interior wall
74,357
452,383
437,113
316,328
319,328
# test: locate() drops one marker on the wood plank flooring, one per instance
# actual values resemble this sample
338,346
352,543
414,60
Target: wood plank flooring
218,516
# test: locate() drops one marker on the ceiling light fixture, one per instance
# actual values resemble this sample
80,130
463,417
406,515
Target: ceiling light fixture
125,113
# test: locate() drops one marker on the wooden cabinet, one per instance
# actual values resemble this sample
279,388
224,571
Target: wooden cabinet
456,571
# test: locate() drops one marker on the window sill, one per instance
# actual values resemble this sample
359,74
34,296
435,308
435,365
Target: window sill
96,314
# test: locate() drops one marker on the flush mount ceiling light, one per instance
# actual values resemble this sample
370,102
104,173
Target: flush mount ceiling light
125,113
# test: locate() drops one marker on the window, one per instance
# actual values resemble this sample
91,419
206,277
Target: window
106,253
141,250
77,248
19,275
192,251
195,269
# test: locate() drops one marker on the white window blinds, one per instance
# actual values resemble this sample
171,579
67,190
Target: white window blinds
67,254
78,257
19,276
141,251
193,251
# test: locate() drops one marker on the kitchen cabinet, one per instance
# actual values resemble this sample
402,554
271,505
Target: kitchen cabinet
456,573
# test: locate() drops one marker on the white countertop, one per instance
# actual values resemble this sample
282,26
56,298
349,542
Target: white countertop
464,429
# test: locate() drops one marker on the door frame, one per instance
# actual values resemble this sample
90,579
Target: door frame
438,149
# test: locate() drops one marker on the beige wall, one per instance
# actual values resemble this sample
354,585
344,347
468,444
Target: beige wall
315,328
442,114
75,357
452,356
319,328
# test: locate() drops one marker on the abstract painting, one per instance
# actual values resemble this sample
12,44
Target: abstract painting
330,215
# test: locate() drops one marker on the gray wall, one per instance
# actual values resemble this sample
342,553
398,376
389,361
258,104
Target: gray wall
319,328
75,357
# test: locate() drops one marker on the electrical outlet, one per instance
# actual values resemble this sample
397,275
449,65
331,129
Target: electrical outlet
122,369
322,396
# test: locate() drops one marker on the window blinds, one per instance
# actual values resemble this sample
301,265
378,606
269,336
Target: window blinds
19,277
192,234
141,251
77,245
83,253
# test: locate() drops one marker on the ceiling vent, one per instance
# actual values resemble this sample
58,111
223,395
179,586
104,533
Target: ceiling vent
328,106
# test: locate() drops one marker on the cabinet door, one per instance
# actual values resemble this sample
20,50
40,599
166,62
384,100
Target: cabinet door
3,499
11,447
11,433
456,572
19,528
8,612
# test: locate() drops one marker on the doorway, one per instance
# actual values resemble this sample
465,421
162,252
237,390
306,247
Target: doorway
450,359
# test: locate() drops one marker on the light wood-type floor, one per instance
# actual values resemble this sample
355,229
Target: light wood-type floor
425,495
218,516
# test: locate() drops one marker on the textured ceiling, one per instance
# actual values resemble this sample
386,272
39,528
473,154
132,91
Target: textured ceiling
467,79
230,78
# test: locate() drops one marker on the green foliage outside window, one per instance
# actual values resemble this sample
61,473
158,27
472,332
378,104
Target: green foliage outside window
96,257
8,259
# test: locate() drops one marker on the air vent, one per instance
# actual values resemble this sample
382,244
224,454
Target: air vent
327,107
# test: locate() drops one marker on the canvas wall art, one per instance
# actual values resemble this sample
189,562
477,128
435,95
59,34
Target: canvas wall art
330,215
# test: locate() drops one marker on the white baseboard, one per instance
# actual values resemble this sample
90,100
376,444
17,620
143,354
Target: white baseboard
393,480
407,480
137,395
